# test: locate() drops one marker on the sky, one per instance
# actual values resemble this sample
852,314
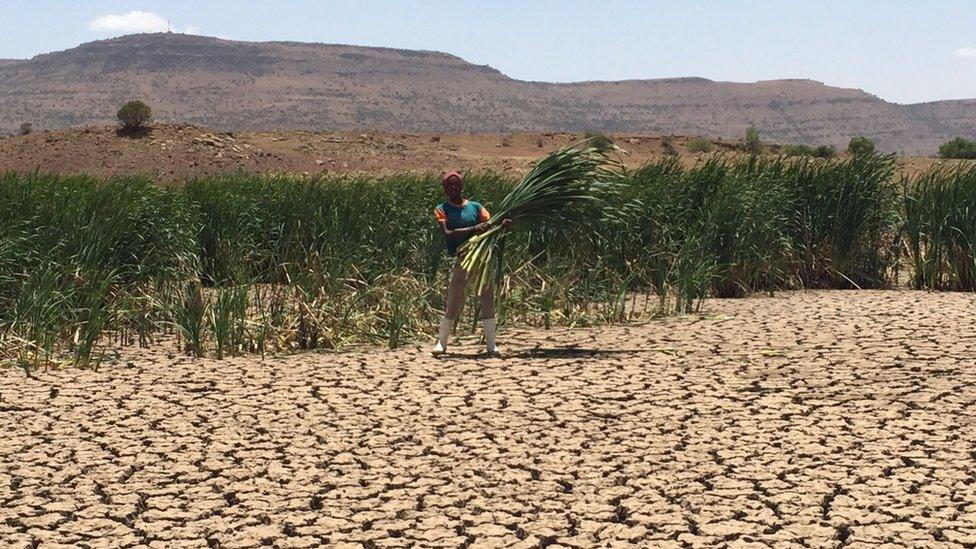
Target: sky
904,51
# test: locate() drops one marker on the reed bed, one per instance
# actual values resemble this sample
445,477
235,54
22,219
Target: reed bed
267,264
940,228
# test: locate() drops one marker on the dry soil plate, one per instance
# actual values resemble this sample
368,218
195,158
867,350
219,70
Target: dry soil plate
817,419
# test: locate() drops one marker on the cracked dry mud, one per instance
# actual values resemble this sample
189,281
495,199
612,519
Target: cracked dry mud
817,419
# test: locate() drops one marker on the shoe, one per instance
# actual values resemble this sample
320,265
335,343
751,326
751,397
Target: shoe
489,324
443,334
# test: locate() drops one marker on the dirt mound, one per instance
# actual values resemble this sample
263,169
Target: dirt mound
167,152
174,153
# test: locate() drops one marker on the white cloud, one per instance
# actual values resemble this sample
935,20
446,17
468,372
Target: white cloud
966,53
192,29
134,21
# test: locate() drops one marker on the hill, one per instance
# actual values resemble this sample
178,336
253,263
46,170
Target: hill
232,85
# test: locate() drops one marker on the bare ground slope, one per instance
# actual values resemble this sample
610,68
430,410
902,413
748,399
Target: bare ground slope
814,419
172,153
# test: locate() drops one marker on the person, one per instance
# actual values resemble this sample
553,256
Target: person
460,219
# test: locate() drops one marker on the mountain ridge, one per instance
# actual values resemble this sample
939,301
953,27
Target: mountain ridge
288,85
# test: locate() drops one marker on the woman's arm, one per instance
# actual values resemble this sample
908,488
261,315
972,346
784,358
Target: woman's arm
479,228
442,223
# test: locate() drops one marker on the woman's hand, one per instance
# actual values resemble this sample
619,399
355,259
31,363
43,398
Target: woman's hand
507,223
481,227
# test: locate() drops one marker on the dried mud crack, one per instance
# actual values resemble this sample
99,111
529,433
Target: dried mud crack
814,419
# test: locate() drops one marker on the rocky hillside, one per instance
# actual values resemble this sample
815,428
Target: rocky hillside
277,85
948,118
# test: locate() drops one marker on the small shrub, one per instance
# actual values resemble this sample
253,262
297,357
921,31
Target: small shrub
753,143
825,151
598,140
667,147
959,147
860,145
820,151
134,115
26,128
797,150
699,145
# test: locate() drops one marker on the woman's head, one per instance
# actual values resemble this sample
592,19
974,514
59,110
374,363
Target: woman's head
453,185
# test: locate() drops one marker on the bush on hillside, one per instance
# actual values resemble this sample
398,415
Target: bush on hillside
959,147
667,147
860,145
797,150
598,140
134,115
820,151
825,151
753,143
26,128
699,145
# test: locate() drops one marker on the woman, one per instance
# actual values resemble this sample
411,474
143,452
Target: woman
459,220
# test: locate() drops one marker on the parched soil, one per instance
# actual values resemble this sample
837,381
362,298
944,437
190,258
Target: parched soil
814,419
173,153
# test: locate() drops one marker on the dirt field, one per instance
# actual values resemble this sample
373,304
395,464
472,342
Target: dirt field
816,419
173,153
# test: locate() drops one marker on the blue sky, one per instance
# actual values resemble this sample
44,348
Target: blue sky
903,51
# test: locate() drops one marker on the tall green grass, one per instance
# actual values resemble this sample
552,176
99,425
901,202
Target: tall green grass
846,221
940,228
78,256
276,229
730,228
256,264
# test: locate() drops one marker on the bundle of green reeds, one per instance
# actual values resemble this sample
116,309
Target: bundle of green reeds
555,192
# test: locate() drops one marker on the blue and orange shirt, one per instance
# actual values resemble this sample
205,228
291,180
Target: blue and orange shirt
453,216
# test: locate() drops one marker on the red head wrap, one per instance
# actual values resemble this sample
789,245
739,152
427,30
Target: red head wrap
449,176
